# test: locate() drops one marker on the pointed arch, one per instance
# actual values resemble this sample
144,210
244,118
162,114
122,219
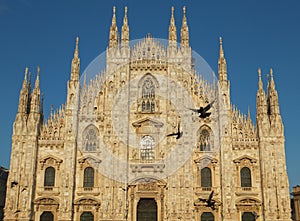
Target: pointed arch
90,138
205,138
147,93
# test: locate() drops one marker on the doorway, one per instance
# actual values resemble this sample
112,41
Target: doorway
147,210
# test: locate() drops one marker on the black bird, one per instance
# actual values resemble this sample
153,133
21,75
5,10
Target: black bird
209,202
202,111
178,134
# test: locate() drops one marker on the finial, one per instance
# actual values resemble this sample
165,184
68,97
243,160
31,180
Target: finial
271,72
114,10
26,73
77,41
76,52
172,9
259,72
221,48
248,111
126,10
38,71
184,10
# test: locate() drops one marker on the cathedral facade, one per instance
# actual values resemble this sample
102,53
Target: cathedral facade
130,142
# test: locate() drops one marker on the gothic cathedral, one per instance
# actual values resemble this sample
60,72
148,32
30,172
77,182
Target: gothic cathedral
148,138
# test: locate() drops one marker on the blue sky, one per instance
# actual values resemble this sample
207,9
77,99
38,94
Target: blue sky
255,34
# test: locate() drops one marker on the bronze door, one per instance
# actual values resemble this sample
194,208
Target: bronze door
147,210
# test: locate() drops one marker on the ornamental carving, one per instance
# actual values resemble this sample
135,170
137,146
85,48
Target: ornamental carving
51,161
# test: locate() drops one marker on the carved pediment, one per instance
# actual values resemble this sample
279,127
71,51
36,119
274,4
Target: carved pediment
147,122
144,180
206,160
248,201
87,201
148,167
91,160
46,201
245,159
50,160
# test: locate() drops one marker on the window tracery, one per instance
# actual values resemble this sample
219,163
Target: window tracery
147,148
90,139
148,96
205,140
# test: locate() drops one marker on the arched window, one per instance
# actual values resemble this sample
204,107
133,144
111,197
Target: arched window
90,138
204,140
87,216
88,180
206,216
245,177
147,148
248,216
148,95
206,177
49,179
46,216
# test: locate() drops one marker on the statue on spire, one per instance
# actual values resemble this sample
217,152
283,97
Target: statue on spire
184,30
75,67
172,29
125,29
113,33
222,67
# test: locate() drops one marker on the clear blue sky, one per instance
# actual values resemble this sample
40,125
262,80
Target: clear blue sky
255,34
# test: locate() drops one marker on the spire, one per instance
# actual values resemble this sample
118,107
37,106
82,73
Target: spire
273,96
222,67
113,33
35,95
24,94
75,67
271,83
125,29
261,107
184,30
76,52
37,80
172,29
260,83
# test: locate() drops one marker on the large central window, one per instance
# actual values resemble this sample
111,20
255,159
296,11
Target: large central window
90,138
147,148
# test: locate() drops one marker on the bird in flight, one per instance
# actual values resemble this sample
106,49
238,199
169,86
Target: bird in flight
178,134
202,111
209,202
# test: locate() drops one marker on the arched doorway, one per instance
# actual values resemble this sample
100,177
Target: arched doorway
248,216
147,210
